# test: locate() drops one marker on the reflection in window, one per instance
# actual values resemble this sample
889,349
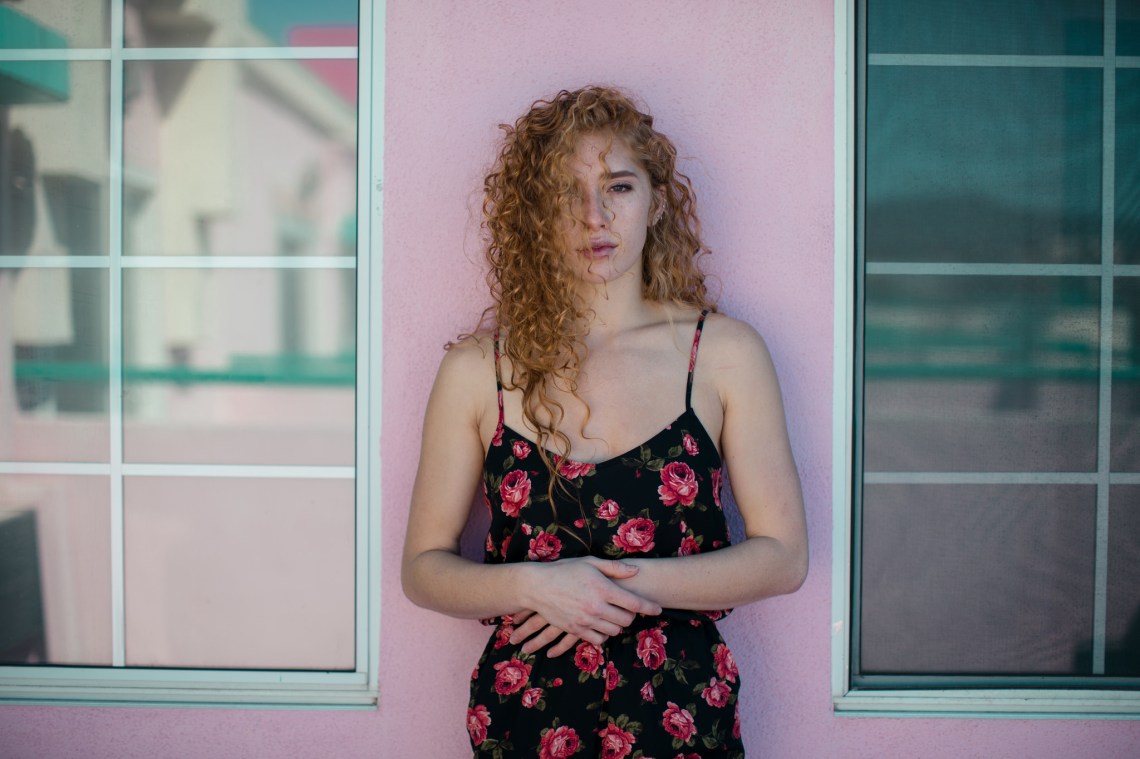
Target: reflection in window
242,23
997,429
55,570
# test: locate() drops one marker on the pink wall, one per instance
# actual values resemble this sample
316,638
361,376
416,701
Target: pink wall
745,88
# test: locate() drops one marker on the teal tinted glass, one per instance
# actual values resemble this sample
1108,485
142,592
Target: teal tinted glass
1126,376
1122,639
991,165
977,579
1008,27
1127,210
1127,27
980,373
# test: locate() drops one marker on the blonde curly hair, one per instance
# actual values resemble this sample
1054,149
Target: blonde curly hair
528,199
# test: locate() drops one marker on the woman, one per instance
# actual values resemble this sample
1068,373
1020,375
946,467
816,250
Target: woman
599,432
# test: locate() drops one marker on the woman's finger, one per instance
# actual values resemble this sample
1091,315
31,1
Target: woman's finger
548,635
533,624
568,642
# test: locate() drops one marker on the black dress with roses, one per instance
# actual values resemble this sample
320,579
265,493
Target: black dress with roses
664,687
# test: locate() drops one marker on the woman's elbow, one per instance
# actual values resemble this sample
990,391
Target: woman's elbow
409,582
797,568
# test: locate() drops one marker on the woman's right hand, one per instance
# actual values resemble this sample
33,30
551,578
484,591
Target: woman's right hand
579,600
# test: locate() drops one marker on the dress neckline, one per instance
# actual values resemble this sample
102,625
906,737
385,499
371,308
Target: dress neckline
698,430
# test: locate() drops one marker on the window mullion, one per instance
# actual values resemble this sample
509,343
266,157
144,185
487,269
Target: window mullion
1104,405
115,333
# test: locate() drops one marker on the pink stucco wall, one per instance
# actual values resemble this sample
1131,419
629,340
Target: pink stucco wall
745,88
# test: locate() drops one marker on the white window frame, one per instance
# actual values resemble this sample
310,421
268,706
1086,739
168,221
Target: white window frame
1012,703
119,684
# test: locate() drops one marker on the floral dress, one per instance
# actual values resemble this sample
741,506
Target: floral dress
666,686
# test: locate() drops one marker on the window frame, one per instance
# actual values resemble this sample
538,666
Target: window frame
118,684
923,698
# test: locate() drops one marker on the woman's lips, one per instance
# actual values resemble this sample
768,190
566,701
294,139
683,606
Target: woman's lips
599,250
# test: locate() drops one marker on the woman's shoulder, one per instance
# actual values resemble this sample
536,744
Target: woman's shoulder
732,345
467,369
721,332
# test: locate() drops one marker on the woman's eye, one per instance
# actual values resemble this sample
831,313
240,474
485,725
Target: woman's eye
621,187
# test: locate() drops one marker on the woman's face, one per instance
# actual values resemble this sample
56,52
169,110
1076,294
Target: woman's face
611,216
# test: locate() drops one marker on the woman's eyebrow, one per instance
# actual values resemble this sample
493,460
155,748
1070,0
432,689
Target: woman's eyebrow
621,174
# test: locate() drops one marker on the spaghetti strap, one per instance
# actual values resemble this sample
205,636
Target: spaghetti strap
692,359
498,388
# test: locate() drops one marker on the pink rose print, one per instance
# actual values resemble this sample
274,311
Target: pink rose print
651,647
587,657
608,510
515,491
690,444
736,722
689,546
544,547
521,449
511,676
477,721
613,677
717,693
615,742
579,523
725,663
678,722
571,469
506,542
556,682
647,691
678,484
635,536
531,696
489,546
717,482
503,636
497,440
558,743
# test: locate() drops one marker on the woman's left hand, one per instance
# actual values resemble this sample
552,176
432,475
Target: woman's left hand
537,632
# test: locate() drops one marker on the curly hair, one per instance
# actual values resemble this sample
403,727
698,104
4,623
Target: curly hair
527,203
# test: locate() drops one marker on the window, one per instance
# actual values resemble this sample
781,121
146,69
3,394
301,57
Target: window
188,477
990,346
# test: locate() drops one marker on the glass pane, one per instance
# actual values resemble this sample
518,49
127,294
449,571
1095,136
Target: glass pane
1128,28
1126,376
1011,27
56,137
250,158
1122,634
55,570
53,365
997,165
239,366
258,23
980,373
243,573
39,24
977,579
1128,166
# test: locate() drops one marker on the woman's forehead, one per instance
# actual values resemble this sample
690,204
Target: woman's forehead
598,153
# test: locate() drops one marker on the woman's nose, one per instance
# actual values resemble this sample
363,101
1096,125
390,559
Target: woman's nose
597,214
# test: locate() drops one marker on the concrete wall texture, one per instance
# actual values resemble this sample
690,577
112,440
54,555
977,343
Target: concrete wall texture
745,89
